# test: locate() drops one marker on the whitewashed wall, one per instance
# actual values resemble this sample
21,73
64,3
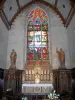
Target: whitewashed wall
71,41
59,40
64,7
18,40
9,13
3,44
12,3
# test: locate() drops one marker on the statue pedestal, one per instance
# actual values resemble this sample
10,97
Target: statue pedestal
13,80
62,67
13,66
62,79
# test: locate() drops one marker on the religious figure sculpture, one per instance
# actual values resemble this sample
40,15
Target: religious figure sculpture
61,56
13,57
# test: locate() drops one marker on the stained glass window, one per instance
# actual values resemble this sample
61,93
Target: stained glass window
37,35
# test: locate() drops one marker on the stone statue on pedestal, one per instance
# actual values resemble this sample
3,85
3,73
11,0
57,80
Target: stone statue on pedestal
13,57
61,57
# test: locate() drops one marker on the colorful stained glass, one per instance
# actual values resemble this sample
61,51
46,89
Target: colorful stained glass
38,50
30,38
44,33
44,28
30,23
30,56
37,38
31,33
44,56
36,57
30,44
30,50
37,44
38,33
30,27
36,28
44,44
44,50
44,23
44,38
37,16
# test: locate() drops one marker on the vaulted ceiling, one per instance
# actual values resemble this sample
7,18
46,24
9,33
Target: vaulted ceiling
9,9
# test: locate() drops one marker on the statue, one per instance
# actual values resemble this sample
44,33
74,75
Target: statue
61,56
13,57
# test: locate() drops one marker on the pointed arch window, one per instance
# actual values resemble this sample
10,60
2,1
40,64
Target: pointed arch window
37,35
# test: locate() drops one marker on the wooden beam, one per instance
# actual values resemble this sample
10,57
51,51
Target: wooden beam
4,19
18,4
56,1
70,16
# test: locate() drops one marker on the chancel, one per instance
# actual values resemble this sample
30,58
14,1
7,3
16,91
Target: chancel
37,51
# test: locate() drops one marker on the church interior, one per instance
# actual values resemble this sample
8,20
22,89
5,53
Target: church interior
37,49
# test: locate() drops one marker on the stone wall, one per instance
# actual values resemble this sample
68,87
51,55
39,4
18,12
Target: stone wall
71,41
18,37
3,44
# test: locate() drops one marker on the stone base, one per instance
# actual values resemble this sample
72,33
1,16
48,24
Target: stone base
12,66
62,80
62,67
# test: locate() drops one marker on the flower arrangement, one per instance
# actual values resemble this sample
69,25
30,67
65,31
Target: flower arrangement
24,98
53,96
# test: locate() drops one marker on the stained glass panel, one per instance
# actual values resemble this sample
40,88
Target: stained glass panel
30,50
45,23
30,44
30,28
37,37
31,33
44,38
44,28
44,33
30,56
44,44
37,16
30,38
44,50
45,56
37,56
37,27
38,50
37,44
30,23
37,33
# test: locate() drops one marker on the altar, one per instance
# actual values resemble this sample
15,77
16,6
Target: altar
37,88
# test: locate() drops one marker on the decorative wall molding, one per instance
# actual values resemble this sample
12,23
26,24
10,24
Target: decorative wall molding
4,19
